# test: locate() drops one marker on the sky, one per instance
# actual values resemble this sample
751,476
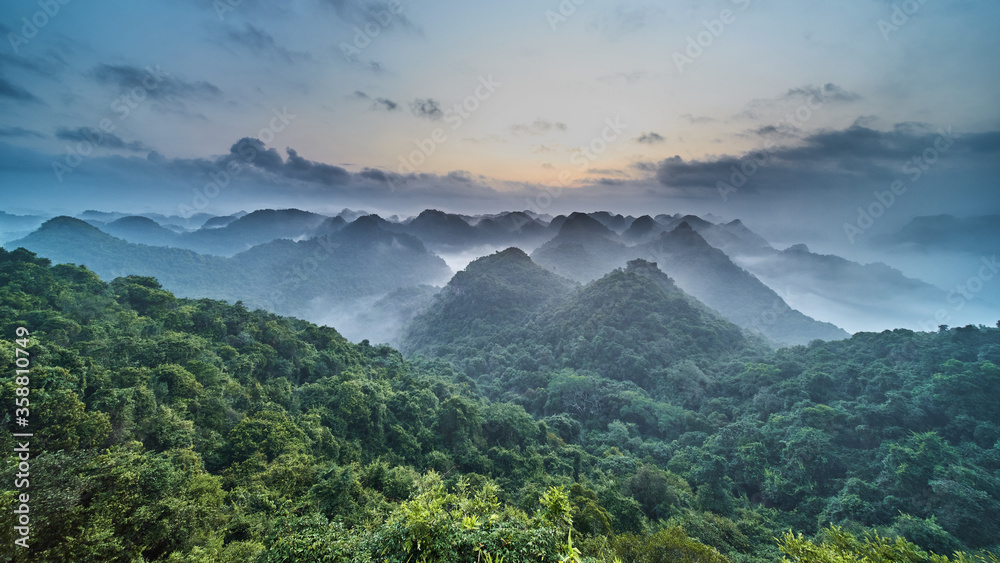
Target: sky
813,121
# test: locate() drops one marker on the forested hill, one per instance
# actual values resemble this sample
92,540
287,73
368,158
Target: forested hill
169,429
494,295
505,317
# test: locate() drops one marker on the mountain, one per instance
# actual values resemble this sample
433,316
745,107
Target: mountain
102,217
583,250
617,223
442,230
361,260
633,324
493,295
220,236
255,228
16,226
853,295
70,240
516,228
142,230
329,226
732,238
708,274
937,233
642,230
216,222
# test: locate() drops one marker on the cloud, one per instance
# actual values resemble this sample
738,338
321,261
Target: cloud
14,92
650,138
544,149
385,103
360,12
158,85
607,172
310,171
460,176
429,108
254,151
19,132
696,119
99,138
262,43
377,103
829,158
45,64
828,93
623,20
538,127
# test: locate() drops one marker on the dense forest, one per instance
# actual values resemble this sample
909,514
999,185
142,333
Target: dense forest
619,420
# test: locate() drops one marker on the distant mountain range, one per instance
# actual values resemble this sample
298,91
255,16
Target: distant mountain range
976,235
360,260
585,249
356,269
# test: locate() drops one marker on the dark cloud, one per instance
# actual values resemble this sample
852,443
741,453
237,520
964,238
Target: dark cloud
19,132
606,172
99,138
317,172
783,131
826,93
14,92
360,12
650,138
46,64
253,151
696,119
429,108
538,127
262,43
623,20
386,104
829,158
377,103
158,83
460,176
374,174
